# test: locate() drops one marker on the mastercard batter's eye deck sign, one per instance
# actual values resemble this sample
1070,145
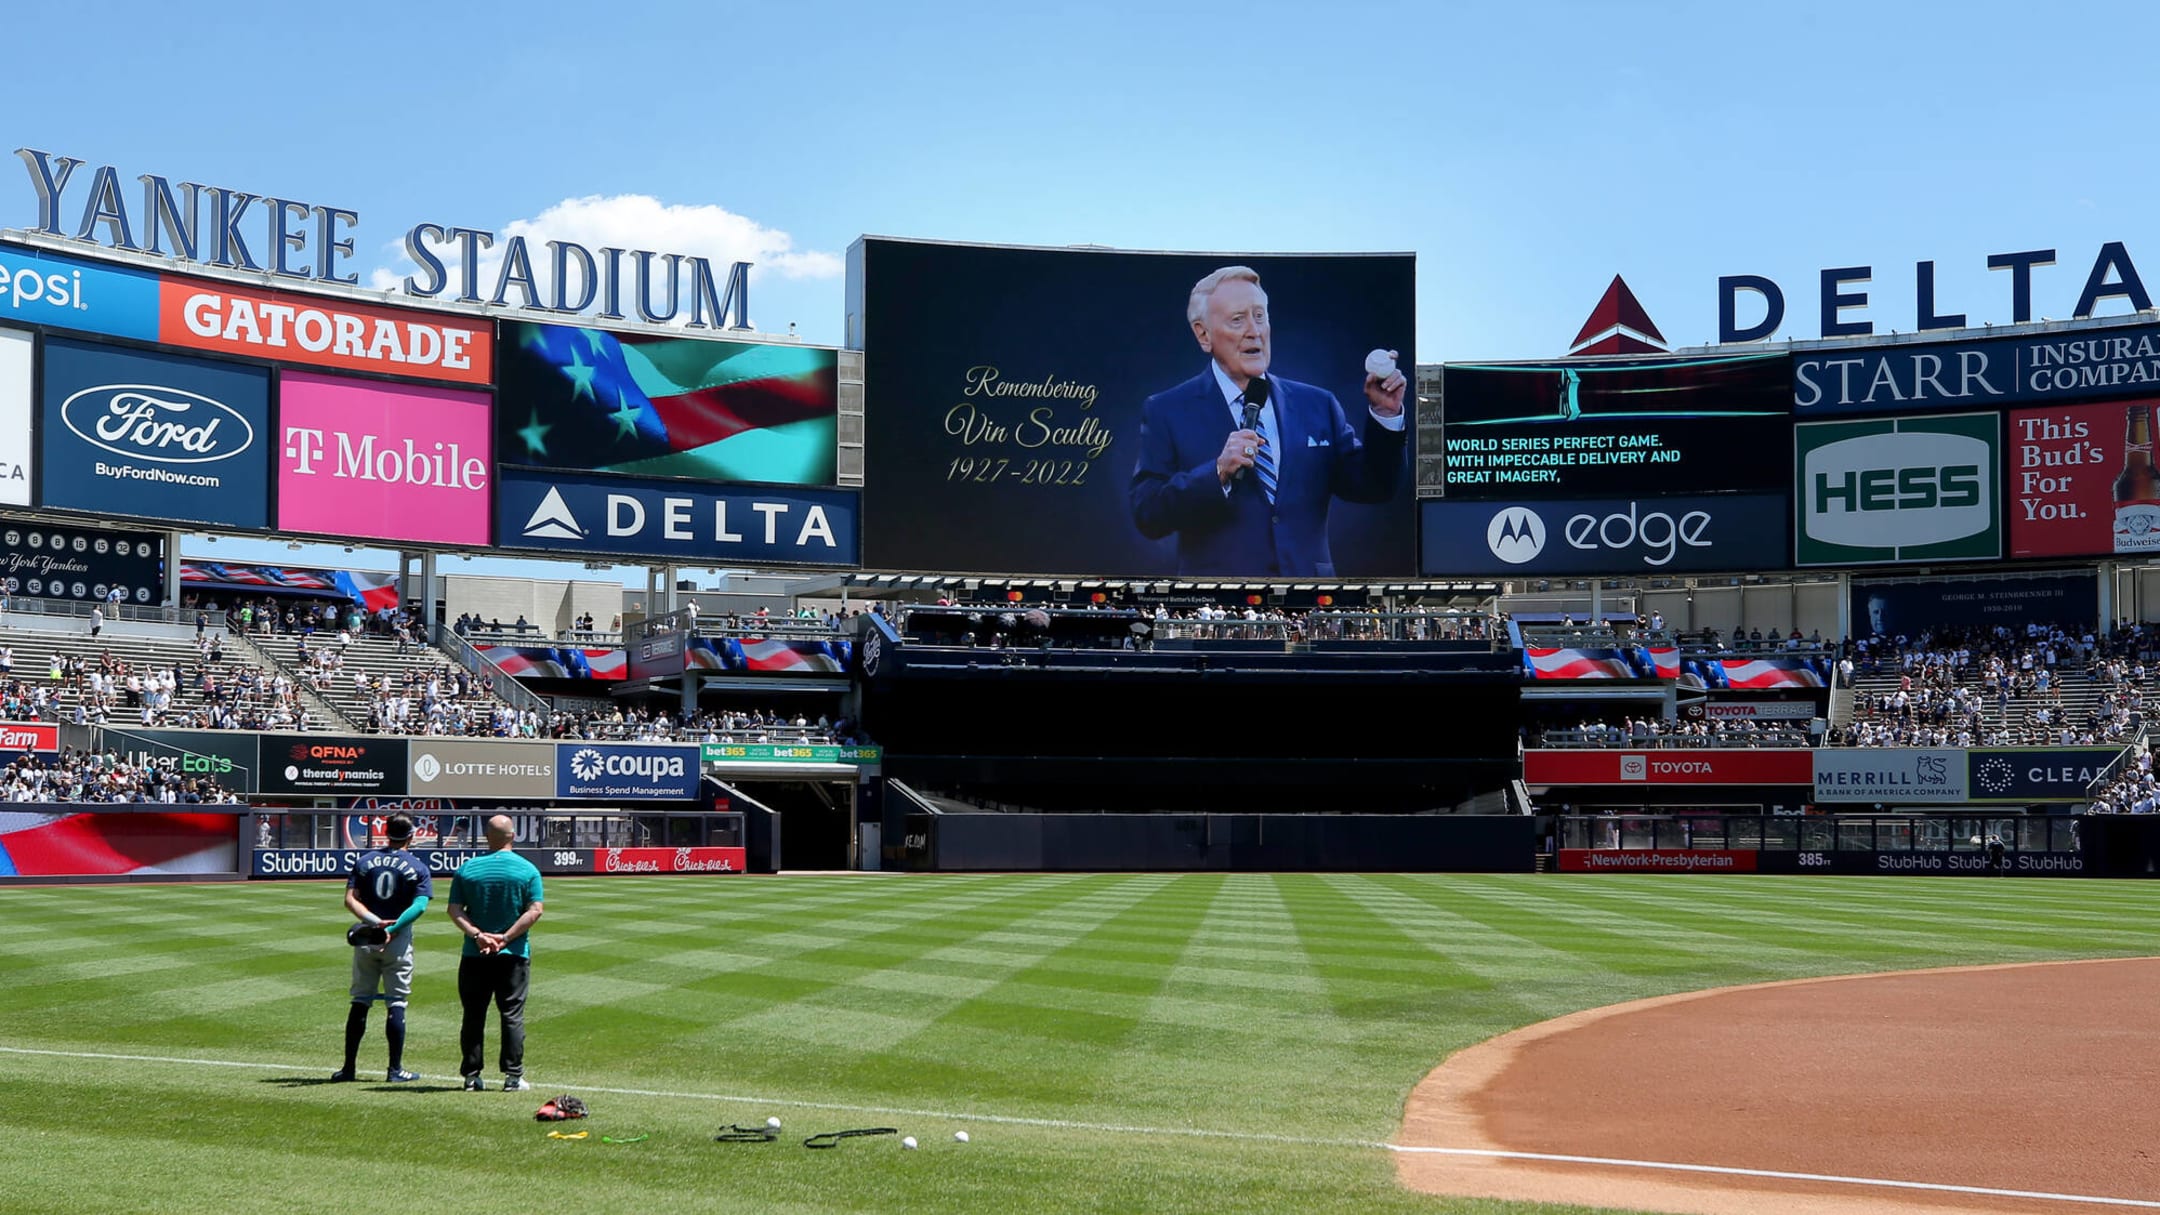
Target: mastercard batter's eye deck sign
153,435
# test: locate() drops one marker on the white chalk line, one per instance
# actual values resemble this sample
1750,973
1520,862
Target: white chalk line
1188,1132
1976,1191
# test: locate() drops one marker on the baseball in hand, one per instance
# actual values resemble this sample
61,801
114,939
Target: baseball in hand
1380,364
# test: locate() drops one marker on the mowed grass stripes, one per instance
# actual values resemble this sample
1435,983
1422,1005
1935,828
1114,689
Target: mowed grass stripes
1070,1023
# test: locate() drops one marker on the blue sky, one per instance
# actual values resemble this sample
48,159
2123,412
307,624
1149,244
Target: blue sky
1526,153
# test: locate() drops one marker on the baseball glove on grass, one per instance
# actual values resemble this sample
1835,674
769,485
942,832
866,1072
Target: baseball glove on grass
560,1109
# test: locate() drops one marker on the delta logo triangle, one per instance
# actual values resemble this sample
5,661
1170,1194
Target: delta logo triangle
1618,325
552,520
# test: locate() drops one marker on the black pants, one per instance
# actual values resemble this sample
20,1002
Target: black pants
500,978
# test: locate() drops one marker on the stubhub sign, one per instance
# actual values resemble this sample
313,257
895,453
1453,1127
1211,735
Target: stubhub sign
691,522
657,772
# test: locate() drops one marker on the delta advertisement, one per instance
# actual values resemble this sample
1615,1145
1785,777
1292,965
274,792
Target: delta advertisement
1057,411
668,406
2049,367
369,460
313,330
1898,489
1886,609
47,561
1602,535
681,521
1609,429
2082,481
155,436
16,348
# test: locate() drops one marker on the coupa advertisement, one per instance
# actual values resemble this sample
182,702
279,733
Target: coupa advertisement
656,772
376,461
1082,412
154,436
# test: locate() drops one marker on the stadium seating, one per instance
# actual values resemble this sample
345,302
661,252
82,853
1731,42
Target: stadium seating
379,687
240,692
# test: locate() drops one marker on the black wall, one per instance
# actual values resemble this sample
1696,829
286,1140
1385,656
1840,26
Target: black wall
1339,843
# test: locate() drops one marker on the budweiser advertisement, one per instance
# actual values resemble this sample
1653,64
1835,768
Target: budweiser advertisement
1733,766
374,461
2082,482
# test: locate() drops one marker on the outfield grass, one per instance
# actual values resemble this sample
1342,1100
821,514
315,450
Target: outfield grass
1078,1027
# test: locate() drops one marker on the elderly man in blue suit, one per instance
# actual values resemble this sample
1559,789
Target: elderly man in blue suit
1251,497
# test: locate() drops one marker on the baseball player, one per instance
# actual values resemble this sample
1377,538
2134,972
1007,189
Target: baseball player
388,890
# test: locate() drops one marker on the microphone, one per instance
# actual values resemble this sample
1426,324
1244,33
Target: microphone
1256,395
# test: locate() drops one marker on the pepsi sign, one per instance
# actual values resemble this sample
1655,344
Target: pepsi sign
154,435
69,293
1603,535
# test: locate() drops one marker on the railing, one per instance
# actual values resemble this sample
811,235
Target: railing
1306,626
78,610
2114,770
309,698
1621,739
533,636
507,688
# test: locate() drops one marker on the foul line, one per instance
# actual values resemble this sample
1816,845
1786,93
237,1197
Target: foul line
1775,1174
783,1102
1191,1132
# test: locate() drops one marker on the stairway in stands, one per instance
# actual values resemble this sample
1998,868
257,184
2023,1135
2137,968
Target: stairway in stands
379,659
35,649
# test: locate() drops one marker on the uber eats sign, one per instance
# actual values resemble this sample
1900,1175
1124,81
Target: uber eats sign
1897,489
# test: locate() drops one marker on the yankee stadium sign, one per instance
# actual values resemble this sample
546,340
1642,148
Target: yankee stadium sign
235,230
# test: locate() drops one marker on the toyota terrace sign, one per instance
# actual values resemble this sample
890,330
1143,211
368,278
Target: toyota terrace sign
1722,766
645,772
1894,775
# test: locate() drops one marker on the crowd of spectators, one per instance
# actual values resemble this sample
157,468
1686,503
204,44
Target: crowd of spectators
1998,686
1646,732
89,776
2133,790
109,690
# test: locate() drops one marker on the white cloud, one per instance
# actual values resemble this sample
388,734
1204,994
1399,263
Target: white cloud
636,221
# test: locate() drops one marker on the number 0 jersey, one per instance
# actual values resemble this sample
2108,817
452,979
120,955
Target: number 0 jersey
386,881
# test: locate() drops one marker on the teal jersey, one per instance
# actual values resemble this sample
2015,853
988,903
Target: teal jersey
495,890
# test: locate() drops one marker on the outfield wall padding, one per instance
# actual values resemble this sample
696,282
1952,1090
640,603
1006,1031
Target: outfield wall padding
1340,843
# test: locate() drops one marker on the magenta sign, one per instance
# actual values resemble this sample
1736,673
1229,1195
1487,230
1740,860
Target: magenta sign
375,461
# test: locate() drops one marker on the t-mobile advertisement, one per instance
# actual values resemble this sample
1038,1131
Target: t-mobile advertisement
2082,482
377,461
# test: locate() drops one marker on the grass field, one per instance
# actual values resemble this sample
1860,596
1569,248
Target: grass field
1111,1043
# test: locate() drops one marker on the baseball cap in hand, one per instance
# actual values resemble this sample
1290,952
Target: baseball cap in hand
366,934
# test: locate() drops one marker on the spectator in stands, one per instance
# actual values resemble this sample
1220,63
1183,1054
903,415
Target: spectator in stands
97,621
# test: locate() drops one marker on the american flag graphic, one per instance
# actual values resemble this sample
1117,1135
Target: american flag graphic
286,577
1756,673
660,406
1666,659
770,655
40,845
557,662
1577,664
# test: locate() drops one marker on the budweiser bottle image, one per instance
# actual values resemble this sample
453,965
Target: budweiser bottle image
2137,486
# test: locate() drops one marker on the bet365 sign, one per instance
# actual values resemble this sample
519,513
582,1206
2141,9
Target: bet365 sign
1898,489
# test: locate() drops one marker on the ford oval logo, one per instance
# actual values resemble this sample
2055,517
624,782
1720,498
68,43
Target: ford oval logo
153,422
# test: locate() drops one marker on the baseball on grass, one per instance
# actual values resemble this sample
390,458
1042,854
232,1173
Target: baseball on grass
959,1136
1380,364
774,1123
908,1143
